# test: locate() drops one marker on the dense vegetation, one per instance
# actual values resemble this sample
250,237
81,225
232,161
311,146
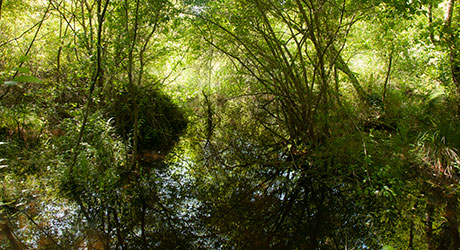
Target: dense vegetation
230,124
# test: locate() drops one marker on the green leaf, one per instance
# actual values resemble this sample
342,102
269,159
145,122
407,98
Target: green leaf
6,203
24,58
388,247
23,70
10,83
31,79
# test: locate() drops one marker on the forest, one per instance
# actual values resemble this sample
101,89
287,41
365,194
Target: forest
230,124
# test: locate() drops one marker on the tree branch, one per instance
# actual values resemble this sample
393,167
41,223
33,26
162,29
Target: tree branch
42,230
448,16
91,89
342,66
387,78
29,48
6,231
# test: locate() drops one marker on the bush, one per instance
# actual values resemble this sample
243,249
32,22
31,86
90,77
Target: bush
161,122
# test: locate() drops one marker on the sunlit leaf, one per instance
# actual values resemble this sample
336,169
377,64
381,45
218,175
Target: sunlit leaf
388,247
24,58
23,70
20,204
6,203
30,79
10,83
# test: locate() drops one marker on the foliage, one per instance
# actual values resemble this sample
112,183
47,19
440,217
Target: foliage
232,124
161,121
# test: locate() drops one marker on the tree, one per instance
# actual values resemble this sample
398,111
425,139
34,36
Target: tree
272,182
234,124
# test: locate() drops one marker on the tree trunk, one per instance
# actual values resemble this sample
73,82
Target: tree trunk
455,69
429,226
448,14
387,78
342,66
411,235
452,220
450,38
6,231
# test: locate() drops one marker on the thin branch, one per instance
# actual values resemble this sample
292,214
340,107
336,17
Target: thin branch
42,230
91,89
430,23
131,85
29,48
244,44
16,38
63,16
387,78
